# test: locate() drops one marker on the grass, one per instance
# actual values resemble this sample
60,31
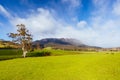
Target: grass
65,52
68,67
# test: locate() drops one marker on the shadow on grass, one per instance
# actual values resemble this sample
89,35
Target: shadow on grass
7,54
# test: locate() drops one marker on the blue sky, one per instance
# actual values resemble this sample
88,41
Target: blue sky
93,22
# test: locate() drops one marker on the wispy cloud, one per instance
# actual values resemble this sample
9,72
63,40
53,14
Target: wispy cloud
101,7
72,3
4,12
82,24
116,8
104,24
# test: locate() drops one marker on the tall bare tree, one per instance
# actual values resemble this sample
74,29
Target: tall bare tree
23,37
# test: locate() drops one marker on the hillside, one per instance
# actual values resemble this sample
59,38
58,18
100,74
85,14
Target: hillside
63,43
8,44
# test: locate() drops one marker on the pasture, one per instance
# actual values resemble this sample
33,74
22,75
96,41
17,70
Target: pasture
96,66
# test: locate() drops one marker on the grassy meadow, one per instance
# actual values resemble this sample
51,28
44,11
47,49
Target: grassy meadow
96,66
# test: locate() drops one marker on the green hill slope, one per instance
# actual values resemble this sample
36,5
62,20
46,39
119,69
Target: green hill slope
68,67
8,44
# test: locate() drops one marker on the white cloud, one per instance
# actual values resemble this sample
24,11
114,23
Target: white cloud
101,7
100,32
82,24
107,30
4,12
116,8
41,23
104,24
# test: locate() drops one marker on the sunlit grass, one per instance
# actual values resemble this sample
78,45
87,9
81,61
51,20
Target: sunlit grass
67,67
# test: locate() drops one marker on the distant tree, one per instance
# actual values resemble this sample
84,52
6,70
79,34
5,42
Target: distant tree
23,37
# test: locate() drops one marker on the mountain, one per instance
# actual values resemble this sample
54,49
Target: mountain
63,43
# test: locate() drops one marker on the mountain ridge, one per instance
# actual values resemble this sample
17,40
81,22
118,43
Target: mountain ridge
62,43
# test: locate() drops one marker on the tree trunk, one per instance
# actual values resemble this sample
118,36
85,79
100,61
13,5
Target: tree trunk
24,51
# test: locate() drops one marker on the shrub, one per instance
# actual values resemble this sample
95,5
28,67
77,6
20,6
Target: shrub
39,53
6,54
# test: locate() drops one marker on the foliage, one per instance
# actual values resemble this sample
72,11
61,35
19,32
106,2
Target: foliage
22,37
51,52
39,53
10,53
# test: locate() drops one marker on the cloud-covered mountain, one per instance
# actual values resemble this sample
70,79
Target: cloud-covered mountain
62,43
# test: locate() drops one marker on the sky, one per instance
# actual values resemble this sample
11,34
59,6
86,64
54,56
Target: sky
93,22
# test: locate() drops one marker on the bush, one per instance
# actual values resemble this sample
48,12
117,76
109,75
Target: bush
6,54
39,53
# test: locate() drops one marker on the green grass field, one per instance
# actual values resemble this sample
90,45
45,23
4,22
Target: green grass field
68,67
